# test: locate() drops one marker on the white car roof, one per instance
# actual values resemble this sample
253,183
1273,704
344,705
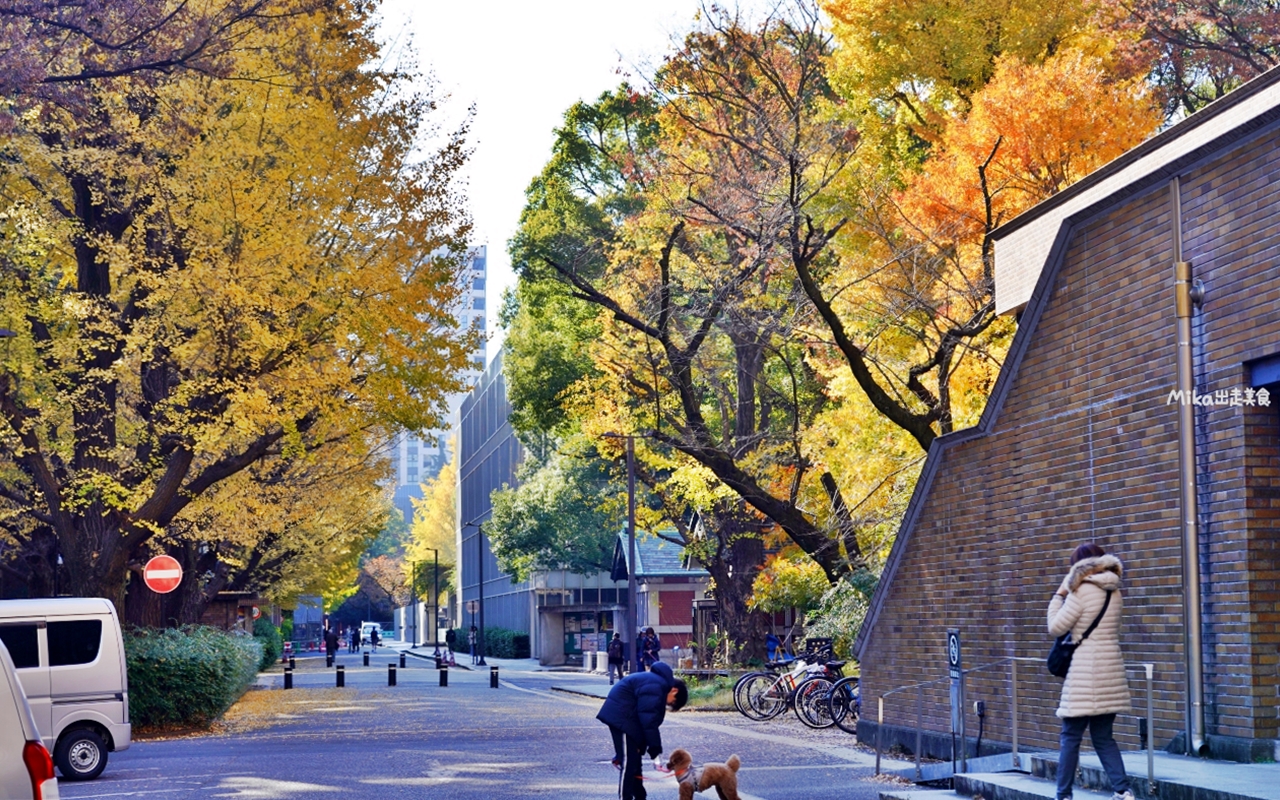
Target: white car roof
55,606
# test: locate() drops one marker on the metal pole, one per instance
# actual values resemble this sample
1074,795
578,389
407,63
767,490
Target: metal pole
480,566
435,604
1013,710
632,610
879,729
964,734
1151,735
919,727
1187,478
413,606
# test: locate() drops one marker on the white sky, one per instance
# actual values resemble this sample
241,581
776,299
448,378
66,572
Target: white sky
522,64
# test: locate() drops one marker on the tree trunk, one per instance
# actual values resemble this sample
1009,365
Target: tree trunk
739,558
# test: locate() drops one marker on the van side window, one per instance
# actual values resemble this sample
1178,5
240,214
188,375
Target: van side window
21,642
74,642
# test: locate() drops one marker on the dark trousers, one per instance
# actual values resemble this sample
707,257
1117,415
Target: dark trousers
1104,744
631,752
615,668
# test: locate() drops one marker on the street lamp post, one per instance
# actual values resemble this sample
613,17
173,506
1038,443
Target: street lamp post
479,587
435,604
435,600
413,596
633,621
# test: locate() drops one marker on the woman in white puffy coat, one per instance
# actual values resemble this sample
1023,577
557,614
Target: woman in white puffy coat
1096,688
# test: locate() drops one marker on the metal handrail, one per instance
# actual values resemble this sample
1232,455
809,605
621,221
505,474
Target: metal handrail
1012,661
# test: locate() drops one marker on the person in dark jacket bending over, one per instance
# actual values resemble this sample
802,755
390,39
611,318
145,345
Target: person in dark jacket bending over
634,710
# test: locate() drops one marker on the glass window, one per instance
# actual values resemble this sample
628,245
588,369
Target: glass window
608,595
21,643
479,303
478,284
74,642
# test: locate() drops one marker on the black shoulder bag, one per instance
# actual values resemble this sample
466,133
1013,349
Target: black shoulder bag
1059,660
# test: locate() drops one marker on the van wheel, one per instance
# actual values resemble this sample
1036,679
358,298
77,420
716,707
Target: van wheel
81,755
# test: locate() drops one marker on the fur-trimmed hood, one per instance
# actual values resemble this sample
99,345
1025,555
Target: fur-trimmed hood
1103,571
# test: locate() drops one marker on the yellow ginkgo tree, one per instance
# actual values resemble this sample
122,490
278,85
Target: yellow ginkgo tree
211,270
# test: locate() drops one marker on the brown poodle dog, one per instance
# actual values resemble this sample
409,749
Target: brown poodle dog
694,779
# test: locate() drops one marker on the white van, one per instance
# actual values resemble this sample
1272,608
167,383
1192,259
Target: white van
26,770
69,655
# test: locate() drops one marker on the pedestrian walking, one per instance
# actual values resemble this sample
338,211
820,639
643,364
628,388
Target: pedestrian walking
650,648
471,642
374,638
330,642
634,711
616,658
356,640
1088,605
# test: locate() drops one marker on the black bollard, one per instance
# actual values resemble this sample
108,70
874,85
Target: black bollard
366,659
493,677
288,678
444,676
342,676
402,661
292,663
439,662
328,661
391,674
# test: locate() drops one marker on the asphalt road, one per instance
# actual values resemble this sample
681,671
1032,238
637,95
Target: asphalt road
418,740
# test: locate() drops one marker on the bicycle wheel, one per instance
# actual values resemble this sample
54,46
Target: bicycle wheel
764,697
740,695
845,703
812,702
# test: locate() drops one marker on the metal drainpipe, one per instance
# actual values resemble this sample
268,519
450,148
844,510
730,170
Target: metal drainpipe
1184,307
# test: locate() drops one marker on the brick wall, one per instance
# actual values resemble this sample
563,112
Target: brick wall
1085,448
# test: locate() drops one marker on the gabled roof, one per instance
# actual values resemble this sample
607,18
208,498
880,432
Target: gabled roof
1024,244
655,557
1032,245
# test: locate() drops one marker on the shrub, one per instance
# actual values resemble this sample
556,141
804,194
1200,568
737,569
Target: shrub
187,676
498,643
271,639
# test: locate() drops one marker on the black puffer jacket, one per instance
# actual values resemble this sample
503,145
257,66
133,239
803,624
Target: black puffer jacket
638,703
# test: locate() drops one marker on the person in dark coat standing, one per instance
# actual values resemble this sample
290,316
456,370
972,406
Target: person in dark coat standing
616,658
634,710
330,642
650,648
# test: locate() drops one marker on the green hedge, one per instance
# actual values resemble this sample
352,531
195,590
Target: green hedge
187,676
498,643
271,639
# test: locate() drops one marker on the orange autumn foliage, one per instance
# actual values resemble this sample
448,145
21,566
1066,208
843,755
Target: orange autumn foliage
1033,130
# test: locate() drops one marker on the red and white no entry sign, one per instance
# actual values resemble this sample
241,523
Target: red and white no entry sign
162,574
257,612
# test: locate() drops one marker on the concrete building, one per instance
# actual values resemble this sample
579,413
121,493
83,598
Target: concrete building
668,584
1080,441
564,613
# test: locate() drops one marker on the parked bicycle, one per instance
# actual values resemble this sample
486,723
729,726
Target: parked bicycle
802,685
845,704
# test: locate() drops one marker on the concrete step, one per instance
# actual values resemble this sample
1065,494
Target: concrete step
917,794
1176,777
941,770
1015,786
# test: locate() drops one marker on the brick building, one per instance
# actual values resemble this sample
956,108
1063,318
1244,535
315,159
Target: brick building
1079,442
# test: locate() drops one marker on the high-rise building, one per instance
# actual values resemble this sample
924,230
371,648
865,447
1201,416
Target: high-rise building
419,457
